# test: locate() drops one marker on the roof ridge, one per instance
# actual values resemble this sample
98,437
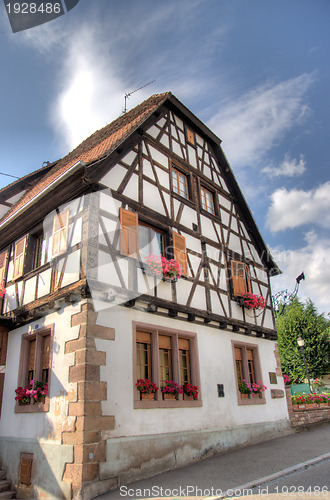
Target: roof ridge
97,145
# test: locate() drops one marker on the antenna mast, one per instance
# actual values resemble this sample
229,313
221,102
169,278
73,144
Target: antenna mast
127,95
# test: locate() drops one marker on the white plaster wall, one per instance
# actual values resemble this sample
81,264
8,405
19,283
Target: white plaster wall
30,290
216,367
44,282
113,178
152,199
131,190
158,156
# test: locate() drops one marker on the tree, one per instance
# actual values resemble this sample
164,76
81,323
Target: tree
302,320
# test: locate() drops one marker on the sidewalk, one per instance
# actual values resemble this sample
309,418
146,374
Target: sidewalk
246,466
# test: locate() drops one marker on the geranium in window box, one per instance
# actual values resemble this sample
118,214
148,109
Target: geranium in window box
147,388
190,391
251,301
257,389
35,392
171,390
245,389
160,267
2,291
21,396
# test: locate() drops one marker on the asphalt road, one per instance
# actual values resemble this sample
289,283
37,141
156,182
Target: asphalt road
270,463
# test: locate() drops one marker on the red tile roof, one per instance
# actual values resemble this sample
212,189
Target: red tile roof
99,144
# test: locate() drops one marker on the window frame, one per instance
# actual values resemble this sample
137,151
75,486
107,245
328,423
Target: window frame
22,381
244,347
157,230
175,336
178,171
205,210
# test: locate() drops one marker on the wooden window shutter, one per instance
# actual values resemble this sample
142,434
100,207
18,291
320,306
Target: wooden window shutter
183,344
238,277
180,252
238,354
164,342
190,136
249,354
19,257
143,337
129,236
3,262
60,233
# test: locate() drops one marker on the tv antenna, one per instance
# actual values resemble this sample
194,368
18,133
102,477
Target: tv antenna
127,95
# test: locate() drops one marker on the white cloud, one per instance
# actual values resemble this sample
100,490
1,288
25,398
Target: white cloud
91,92
290,167
314,260
293,208
252,124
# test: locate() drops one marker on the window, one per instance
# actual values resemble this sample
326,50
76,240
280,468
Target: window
150,241
180,183
35,364
207,200
143,355
240,278
41,243
138,239
184,361
162,354
247,367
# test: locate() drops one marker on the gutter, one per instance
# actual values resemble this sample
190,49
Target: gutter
72,170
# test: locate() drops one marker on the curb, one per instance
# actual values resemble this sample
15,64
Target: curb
271,477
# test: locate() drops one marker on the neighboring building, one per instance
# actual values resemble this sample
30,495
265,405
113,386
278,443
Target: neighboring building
83,313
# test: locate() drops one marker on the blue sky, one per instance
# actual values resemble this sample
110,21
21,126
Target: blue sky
256,72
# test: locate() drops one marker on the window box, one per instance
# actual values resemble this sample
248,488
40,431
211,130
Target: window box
147,395
168,396
188,398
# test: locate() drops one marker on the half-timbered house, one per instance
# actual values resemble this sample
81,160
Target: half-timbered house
91,248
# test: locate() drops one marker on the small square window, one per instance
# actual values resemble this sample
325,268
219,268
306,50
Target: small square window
207,200
180,183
